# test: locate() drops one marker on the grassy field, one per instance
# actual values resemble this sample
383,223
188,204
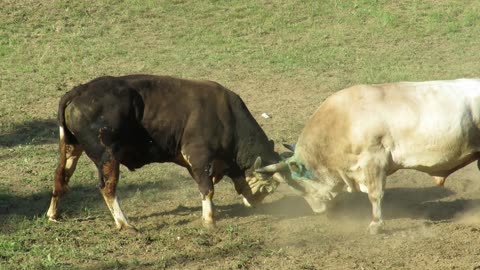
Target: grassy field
281,57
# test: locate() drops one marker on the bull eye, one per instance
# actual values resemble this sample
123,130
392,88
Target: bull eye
294,167
262,175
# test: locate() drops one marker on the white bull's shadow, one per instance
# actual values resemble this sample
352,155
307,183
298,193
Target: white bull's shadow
428,203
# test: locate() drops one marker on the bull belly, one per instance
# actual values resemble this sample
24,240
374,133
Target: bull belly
438,163
135,157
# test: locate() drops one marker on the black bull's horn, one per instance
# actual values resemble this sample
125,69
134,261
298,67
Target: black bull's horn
289,147
278,167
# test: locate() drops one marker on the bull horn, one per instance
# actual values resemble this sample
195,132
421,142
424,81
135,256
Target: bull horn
258,163
278,177
278,167
289,147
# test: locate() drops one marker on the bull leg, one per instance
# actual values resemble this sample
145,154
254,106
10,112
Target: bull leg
439,180
375,180
208,216
206,187
110,172
199,166
69,155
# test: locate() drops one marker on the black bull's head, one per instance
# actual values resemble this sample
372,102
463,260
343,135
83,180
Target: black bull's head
260,185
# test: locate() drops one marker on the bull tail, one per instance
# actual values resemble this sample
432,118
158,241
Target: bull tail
65,134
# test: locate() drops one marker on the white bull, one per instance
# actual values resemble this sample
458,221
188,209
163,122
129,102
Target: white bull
364,133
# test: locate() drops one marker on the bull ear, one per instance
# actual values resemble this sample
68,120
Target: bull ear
272,144
258,163
289,147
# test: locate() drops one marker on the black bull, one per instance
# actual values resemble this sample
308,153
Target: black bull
139,119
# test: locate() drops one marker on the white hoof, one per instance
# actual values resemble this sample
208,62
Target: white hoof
375,227
246,203
53,220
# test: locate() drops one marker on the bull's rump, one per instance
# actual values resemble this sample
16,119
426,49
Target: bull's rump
107,113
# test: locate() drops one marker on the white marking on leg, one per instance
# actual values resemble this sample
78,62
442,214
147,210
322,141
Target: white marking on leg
118,215
207,210
439,180
186,158
363,188
52,210
62,133
246,203
69,163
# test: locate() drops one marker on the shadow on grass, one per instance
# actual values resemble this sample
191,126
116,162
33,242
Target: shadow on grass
283,208
415,203
81,201
34,132
286,207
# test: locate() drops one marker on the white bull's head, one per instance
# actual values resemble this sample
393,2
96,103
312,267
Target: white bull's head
293,172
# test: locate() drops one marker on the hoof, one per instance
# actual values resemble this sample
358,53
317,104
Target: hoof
131,230
209,225
52,219
246,203
128,228
375,227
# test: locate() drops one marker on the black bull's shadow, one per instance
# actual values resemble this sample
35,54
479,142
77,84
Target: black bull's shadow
35,132
416,203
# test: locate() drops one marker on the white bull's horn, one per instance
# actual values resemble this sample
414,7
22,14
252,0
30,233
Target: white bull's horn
278,167
278,177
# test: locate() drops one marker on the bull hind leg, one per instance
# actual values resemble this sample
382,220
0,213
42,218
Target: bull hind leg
69,155
439,180
109,173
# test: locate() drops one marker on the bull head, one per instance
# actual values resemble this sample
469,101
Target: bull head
302,181
260,185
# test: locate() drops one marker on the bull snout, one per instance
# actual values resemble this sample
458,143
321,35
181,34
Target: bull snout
317,205
258,189
252,202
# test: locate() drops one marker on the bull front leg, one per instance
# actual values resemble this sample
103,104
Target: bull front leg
208,210
375,180
206,187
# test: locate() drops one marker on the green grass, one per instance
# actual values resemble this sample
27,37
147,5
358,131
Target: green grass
282,57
